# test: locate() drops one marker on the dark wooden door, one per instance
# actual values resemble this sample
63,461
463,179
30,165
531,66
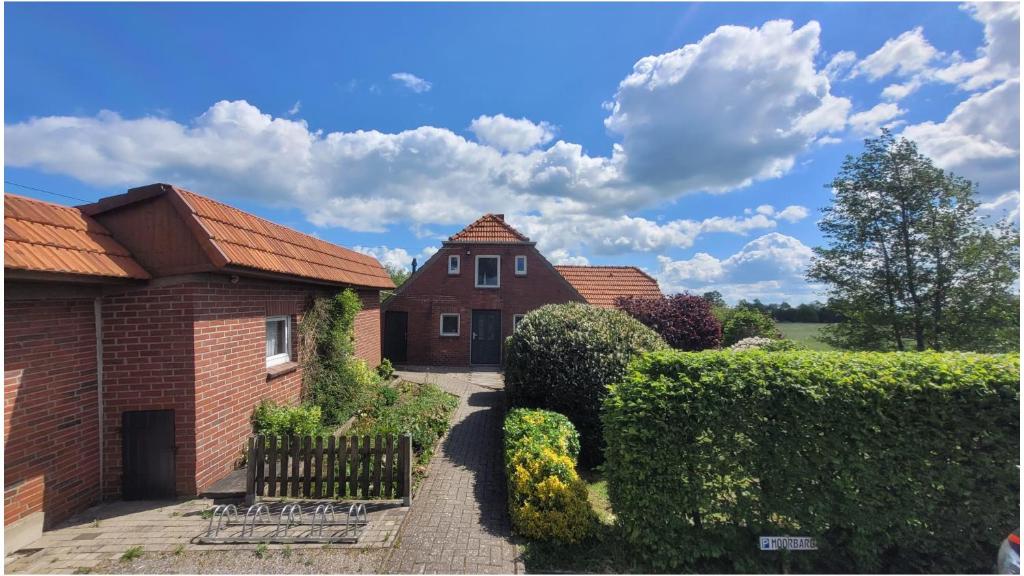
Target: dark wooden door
396,334
147,454
486,346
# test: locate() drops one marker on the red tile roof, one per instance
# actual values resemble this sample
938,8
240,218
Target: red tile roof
490,229
235,238
44,237
603,285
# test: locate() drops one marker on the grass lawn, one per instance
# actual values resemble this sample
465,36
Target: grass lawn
804,333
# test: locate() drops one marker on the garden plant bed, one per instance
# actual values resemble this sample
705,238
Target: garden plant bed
422,410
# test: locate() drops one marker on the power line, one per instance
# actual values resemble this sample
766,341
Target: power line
45,191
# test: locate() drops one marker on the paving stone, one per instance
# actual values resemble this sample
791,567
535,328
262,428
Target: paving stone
458,522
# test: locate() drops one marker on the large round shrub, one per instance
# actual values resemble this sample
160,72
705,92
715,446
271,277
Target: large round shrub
686,322
747,323
562,357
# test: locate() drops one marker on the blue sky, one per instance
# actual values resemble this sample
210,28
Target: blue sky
693,140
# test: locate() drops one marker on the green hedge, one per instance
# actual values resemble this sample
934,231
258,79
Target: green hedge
547,499
895,462
562,357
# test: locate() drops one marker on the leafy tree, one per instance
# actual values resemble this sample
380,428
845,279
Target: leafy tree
685,321
741,323
398,274
910,263
714,297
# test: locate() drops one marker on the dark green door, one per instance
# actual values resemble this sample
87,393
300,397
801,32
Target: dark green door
486,343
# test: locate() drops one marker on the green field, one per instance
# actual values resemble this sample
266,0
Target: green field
804,333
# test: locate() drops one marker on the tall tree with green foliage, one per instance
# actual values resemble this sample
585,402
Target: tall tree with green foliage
910,262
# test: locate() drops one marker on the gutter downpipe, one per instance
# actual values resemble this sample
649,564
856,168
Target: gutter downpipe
98,320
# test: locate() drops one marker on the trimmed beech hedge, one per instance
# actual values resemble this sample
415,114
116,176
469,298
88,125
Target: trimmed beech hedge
562,357
904,462
547,500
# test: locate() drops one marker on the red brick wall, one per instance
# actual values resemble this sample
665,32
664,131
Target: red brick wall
231,370
231,373
367,328
197,348
434,292
51,447
148,365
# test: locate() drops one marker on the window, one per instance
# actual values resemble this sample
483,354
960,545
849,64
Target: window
488,274
516,319
279,340
520,265
453,264
449,324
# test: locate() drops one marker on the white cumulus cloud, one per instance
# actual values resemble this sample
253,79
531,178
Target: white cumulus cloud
736,107
770,267
881,115
510,134
906,54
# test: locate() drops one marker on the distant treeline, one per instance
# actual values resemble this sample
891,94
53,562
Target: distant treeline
814,312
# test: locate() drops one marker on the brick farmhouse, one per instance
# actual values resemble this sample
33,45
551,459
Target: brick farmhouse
140,332
458,308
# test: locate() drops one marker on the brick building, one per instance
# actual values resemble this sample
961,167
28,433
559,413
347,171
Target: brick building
164,316
458,308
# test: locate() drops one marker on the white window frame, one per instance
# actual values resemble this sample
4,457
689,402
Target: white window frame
458,264
458,325
518,259
516,319
285,356
476,275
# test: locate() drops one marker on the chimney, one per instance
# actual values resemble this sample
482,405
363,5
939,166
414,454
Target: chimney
500,217
413,265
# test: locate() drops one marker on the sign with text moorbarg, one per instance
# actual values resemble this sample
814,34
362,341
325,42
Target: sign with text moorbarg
788,543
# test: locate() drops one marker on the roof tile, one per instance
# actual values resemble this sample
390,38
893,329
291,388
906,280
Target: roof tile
44,237
603,285
491,229
253,242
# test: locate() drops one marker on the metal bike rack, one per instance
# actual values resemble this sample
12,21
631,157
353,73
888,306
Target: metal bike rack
325,526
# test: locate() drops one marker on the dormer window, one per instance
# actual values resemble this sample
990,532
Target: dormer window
453,264
488,271
520,265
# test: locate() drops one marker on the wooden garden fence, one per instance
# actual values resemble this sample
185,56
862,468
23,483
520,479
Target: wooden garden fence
329,467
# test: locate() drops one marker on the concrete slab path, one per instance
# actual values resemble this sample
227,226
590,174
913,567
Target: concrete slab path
459,520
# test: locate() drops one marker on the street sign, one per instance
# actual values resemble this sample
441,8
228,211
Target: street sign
788,543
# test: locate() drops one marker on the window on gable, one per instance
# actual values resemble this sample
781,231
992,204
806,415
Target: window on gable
516,319
488,273
520,265
279,340
449,324
453,264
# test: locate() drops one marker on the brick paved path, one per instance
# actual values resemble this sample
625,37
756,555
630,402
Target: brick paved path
459,521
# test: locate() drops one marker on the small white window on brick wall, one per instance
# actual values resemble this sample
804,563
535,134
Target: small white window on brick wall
279,340
516,319
520,265
449,324
453,264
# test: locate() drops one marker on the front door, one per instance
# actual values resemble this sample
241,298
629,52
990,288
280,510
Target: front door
486,344
147,454
396,335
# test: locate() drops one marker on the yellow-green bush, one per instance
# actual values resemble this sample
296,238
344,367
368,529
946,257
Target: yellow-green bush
547,498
